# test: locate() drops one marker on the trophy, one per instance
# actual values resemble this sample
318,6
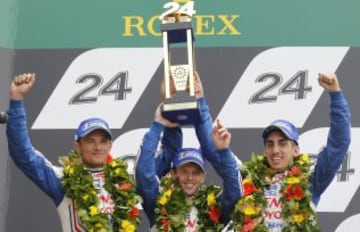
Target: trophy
176,27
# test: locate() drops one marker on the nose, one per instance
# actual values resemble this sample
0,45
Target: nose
276,148
190,176
98,146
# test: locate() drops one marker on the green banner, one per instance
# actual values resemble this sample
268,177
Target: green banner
41,24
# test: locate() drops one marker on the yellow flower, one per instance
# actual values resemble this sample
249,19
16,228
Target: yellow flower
296,205
93,210
298,218
85,197
247,181
163,200
70,170
211,199
113,163
293,180
249,198
99,225
92,192
127,226
260,158
249,211
130,201
117,172
168,193
165,197
304,159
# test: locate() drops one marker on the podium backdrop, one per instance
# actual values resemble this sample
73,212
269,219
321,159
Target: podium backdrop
258,61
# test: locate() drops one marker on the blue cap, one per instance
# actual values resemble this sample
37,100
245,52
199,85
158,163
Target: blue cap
91,124
286,127
189,155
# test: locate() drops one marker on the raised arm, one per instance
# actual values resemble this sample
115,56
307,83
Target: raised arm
171,143
338,141
204,128
31,162
215,146
150,162
229,171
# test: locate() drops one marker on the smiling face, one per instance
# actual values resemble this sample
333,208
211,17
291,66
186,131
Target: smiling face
94,148
279,150
190,177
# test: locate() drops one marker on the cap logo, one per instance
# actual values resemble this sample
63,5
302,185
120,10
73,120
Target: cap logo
88,125
283,125
187,154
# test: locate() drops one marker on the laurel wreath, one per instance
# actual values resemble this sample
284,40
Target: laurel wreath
78,185
172,206
298,215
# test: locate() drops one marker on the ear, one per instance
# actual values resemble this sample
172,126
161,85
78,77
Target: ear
76,147
204,178
296,150
172,173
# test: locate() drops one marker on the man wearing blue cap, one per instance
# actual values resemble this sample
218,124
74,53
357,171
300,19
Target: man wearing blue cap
86,189
181,201
282,181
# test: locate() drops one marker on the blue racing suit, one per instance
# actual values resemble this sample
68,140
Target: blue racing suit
47,176
338,141
328,162
147,180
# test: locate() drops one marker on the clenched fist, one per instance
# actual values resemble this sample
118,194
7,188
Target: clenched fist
329,82
20,85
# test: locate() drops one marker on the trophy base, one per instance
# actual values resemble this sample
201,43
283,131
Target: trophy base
184,112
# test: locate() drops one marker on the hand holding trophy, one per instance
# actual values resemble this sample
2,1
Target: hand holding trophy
180,102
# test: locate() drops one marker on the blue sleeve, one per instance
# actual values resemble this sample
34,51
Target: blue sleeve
171,144
147,182
232,189
204,135
338,141
223,162
27,159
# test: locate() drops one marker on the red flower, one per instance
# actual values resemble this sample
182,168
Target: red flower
134,213
295,170
249,188
248,225
214,214
292,192
165,224
109,158
125,186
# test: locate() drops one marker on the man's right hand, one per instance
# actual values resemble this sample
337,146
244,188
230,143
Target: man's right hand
20,85
160,119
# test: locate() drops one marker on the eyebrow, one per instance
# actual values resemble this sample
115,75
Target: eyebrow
280,140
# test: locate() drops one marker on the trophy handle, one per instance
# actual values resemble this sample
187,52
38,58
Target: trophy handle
166,64
190,51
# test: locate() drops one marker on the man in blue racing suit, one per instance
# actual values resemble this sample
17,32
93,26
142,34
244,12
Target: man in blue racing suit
90,210
282,181
188,173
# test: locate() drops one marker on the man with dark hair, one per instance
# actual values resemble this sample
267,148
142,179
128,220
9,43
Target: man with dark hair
92,191
281,189
181,201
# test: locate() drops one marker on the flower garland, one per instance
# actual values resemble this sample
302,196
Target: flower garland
172,206
78,185
295,196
